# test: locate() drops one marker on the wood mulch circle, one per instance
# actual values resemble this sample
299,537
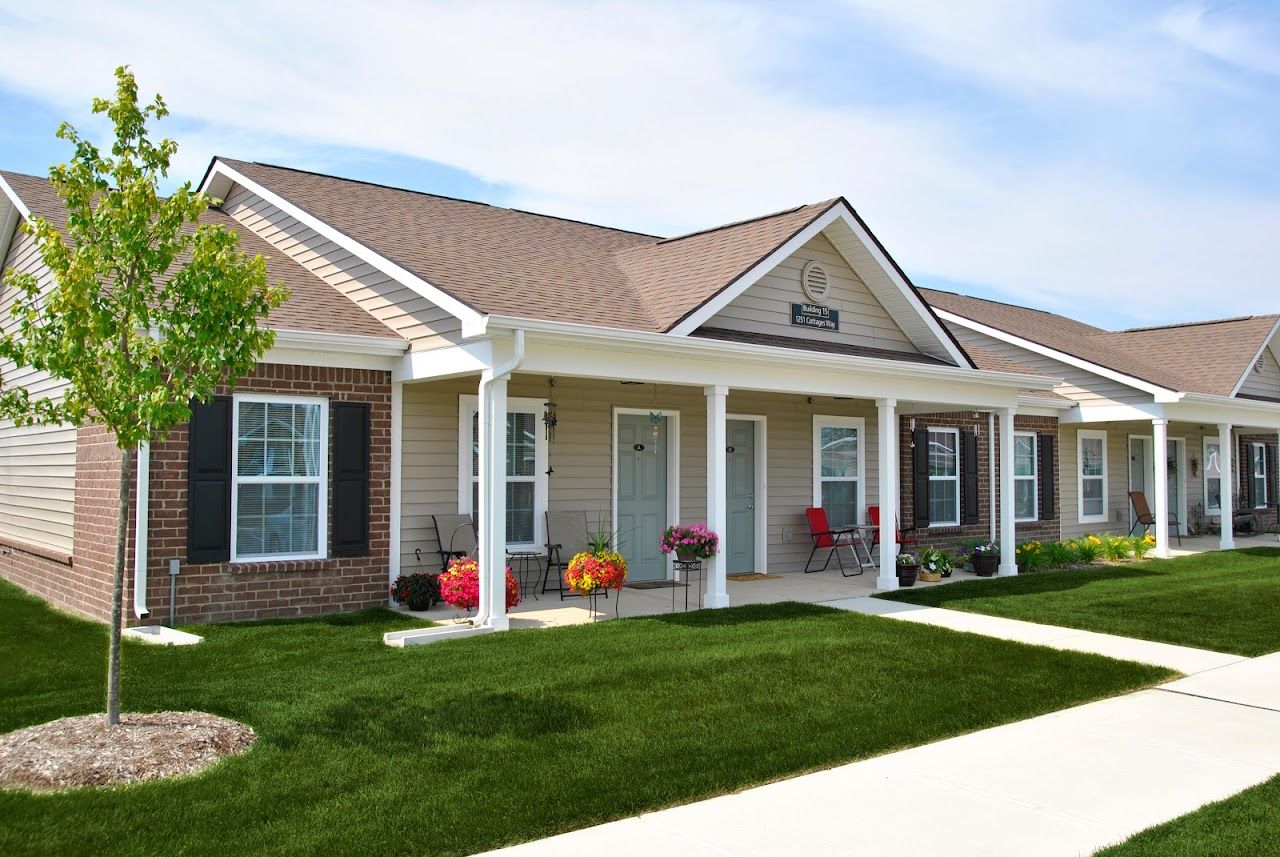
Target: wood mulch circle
75,752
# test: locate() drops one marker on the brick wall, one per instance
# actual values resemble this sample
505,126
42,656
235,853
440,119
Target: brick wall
951,537
1244,470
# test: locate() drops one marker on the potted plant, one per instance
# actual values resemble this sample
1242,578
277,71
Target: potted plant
420,591
934,562
460,585
690,543
985,559
592,571
908,566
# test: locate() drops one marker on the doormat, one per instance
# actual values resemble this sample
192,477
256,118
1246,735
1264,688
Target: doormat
654,584
752,577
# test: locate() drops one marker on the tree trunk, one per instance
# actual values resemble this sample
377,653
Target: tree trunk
117,589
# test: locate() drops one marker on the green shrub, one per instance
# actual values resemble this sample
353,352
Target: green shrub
1030,556
1087,549
1058,554
1115,547
1142,545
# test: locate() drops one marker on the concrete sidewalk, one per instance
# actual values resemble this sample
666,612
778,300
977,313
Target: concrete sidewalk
1066,783
1181,658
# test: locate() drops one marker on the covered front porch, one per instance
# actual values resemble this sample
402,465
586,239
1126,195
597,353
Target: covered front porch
637,433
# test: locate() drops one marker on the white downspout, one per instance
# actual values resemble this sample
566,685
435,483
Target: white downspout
487,377
140,532
991,471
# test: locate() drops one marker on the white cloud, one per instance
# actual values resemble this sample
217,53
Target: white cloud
666,117
1224,37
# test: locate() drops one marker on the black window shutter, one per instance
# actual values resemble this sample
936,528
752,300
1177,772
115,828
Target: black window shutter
969,476
350,478
920,476
209,481
1046,473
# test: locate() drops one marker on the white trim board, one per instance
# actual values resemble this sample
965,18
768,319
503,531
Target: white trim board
839,211
439,297
762,486
1161,394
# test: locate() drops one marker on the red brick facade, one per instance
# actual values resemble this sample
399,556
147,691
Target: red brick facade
1266,518
1046,528
213,592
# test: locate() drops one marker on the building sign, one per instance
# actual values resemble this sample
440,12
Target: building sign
815,316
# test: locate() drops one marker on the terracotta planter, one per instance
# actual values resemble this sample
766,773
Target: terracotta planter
984,564
930,576
907,575
687,556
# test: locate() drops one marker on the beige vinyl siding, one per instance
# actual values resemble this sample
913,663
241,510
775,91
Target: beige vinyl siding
37,463
765,307
1080,385
400,308
1265,382
1119,509
582,454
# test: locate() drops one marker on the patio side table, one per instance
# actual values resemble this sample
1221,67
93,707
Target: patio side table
527,566
687,569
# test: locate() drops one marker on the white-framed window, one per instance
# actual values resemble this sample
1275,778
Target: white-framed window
1212,476
838,468
1026,477
280,463
1258,473
944,477
1091,475
525,455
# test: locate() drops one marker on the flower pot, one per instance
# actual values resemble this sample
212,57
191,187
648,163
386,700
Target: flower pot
929,576
423,603
686,556
985,565
907,575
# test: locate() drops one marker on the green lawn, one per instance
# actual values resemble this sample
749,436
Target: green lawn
471,744
1226,602
1246,825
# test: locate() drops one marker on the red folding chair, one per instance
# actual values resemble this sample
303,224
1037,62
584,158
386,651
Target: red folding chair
825,538
903,536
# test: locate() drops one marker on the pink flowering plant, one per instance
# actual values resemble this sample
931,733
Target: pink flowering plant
695,540
460,585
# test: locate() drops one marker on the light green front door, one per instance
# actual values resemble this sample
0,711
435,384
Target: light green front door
740,538
642,494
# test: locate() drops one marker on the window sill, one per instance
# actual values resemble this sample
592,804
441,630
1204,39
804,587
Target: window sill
278,566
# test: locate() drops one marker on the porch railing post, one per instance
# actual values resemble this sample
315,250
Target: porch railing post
1226,459
887,432
717,493
1160,490
1008,531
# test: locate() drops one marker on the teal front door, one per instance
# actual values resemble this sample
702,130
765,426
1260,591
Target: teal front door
740,536
642,494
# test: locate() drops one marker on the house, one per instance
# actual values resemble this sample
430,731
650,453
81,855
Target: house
439,356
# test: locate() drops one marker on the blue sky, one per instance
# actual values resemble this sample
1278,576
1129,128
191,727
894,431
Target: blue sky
1116,162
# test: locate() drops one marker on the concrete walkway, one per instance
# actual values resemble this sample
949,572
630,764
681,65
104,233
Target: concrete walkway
1181,658
1066,783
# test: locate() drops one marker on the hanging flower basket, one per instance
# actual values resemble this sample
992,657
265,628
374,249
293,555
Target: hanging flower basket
460,585
592,571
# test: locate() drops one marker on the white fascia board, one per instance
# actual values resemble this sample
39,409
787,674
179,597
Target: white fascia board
15,199
1247,413
1268,340
612,337
412,281
454,361
726,296
15,210
1161,394
1112,413
838,211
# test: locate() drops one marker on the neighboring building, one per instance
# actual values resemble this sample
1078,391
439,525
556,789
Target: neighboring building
412,371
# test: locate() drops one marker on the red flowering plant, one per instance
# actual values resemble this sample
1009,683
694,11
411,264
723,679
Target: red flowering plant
590,571
460,585
693,541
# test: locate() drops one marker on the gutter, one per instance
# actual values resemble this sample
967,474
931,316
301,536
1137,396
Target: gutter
869,365
487,377
140,531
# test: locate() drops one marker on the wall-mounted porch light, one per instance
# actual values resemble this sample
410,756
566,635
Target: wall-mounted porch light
549,418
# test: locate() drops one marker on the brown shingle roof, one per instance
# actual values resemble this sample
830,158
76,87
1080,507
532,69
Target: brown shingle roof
1200,357
313,305
506,262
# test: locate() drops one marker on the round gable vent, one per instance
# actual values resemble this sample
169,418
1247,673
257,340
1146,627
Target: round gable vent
814,282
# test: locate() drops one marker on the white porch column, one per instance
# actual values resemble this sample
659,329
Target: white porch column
887,433
1226,457
1008,532
397,434
491,485
717,493
1275,467
1160,490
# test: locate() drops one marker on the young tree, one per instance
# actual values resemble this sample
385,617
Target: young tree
148,309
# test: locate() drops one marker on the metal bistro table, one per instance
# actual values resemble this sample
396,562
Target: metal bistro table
526,565
687,569
862,536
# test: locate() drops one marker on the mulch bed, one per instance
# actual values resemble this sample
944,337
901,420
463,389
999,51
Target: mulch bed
83,751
